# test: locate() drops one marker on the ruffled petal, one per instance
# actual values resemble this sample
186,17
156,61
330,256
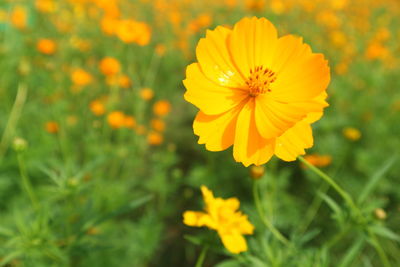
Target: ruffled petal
301,75
292,143
234,242
244,226
252,43
209,97
192,218
249,146
217,132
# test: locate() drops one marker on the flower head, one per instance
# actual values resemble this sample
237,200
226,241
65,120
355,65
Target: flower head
155,139
116,119
52,127
222,215
318,160
352,133
131,31
146,93
18,17
255,91
109,66
81,77
97,107
46,46
161,107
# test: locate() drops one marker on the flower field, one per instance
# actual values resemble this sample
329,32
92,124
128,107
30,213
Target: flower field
199,133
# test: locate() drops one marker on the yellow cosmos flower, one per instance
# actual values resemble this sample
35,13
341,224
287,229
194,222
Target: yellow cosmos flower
52,127
81,77
222,216
19,18
318,160
255,91
109,66
46,46
352,133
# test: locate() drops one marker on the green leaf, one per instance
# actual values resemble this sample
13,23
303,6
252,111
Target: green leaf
123,209
352,253
373,182
385,232
256,261
5,231
193,239
229,263
4,261
331,203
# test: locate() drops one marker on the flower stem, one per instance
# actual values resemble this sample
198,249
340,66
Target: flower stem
332,183
264,219
378,248
201,257
26,184
356,211
13,118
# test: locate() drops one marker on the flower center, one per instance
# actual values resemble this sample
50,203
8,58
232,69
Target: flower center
259,80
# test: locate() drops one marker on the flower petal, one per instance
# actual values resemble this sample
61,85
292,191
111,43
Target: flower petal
252,43
301,75
293,142
209,97
249,146
192,218
214,59
217,132
274,118
234,242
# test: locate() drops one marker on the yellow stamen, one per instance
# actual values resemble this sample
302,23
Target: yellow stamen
259,80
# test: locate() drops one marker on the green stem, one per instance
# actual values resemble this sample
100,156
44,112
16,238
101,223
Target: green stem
332,183
352,205
264,219
26,184
13,118
201,257
313,209
379,249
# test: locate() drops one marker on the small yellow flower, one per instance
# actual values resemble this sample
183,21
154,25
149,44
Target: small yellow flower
129,122
256,172
81,77
376,50
158,125
318,160
161,107
146,93
97,107
46,46
116,119
124,81
155,139
109,25
18,17
109,66
380,214
351,133
130,31
52,127
222,215
45,6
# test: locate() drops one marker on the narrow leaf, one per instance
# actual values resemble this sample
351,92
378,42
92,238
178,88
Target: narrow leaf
373,182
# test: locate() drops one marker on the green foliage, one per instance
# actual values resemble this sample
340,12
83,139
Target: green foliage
91,195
